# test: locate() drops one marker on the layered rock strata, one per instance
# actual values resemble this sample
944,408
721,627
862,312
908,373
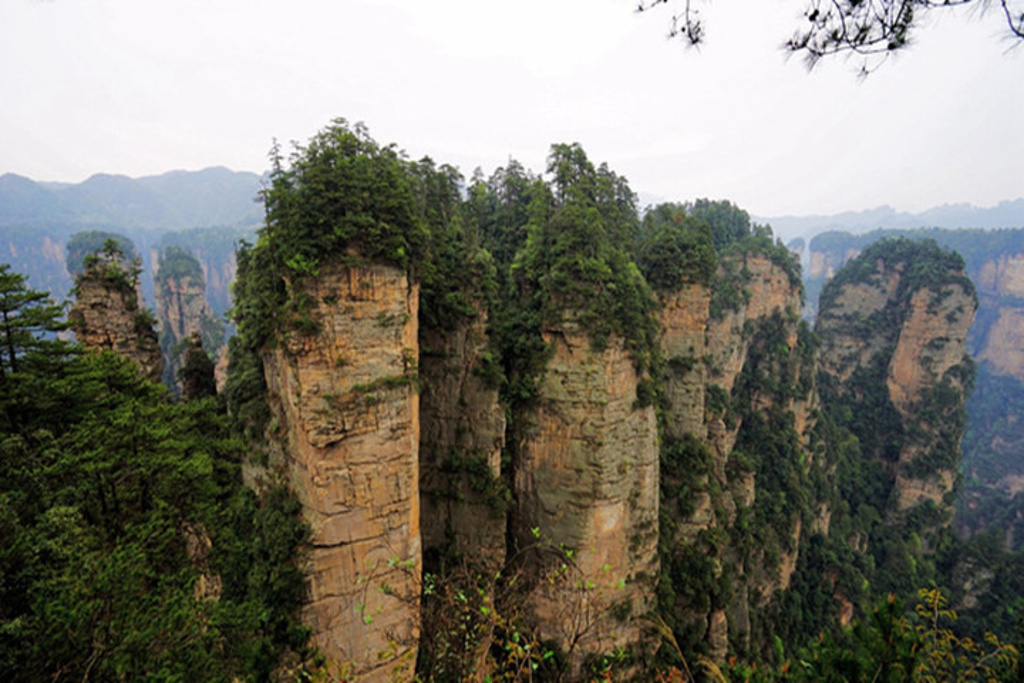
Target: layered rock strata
684,321
342,390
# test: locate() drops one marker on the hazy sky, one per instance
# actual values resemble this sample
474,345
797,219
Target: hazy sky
139,87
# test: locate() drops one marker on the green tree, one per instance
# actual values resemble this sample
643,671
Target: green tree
25,316
675,248
121,516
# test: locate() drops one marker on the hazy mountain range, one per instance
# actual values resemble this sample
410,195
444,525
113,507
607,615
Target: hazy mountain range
176,200
1006,214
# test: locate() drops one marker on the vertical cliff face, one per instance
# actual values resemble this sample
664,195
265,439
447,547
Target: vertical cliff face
926,382
183,310
588,480
1000,283
684,321
342,390
462,433
725,474
107,315
893,330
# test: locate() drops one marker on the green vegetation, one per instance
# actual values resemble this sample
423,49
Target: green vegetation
83,244
342,193
675,248
574,267
131,548
177,263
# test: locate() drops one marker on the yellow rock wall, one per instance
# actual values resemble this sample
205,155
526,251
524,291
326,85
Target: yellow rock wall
588,480
346,411
105,318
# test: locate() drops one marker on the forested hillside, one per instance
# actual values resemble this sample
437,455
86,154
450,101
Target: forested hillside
131,550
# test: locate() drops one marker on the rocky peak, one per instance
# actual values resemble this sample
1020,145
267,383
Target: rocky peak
894,326
108,313
183,311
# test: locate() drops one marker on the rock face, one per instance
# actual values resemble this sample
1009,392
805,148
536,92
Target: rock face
107,315
462,432
182,310
766,288
342,390
588,480
908,333
1000,283
684,321
711,476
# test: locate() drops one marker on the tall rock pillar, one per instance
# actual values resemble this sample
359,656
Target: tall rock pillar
587,483
342,390
109,315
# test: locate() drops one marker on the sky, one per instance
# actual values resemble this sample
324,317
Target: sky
141,87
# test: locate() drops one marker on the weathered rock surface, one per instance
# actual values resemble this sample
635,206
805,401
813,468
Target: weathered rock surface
724,348
588,481
768,289
1001,286
347,414
107,316
462,432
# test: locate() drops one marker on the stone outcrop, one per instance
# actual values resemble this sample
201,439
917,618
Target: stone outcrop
587,481
766,289
342,390
462,433
108,315
1000,283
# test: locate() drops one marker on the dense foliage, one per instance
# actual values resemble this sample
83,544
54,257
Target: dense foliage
130,547
675,248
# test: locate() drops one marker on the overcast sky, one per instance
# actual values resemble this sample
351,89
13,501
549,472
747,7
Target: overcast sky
139,87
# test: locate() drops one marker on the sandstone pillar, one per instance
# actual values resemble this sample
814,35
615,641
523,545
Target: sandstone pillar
342,389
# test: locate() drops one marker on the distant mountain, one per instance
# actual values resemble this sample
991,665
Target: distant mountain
178,200
1006,214
215,207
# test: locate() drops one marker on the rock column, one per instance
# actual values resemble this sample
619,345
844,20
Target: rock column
587,489
342,389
